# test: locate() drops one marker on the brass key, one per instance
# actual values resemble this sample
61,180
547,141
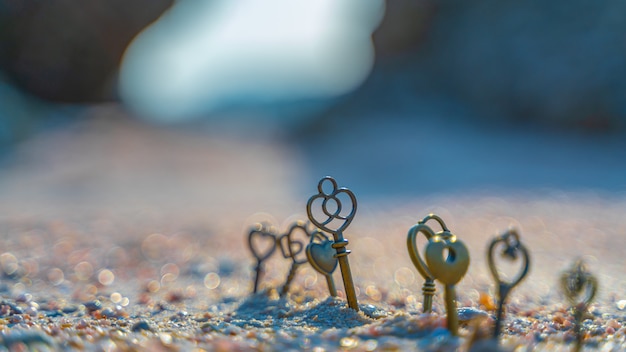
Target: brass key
580,287
447,260
428,288
512,249
449,270
321,256
334,219
291,248
262,244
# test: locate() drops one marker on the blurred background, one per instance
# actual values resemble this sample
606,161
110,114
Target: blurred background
126,103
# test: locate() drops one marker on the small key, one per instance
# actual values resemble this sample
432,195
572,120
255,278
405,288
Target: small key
262,244
291,248
321,256
448,269
428,288
512,248
336,211
579,286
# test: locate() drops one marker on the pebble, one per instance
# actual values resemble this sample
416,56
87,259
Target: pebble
108,313
141,325
26,337
69,309
93,306
24,298
179,316
621,304
468,313
373,312
53,313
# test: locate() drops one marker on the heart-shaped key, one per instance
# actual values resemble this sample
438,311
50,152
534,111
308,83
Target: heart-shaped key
512,249
322,257
262,244
428,288
447,258
579,286
335,216
338,208
291,248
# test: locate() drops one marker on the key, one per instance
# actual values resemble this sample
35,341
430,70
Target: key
512,249
334,220
262,243
291,248
579,286
448,269
428,288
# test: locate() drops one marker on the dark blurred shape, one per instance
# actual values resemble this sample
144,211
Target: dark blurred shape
404,27
69,50
559,63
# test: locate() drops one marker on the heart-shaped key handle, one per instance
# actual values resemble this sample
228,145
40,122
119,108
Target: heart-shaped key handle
512,250
448,259
291,246
333,215
579,285
321,254
338,208
323,258
262,241
428,288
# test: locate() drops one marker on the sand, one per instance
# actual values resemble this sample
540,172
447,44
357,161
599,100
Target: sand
116,235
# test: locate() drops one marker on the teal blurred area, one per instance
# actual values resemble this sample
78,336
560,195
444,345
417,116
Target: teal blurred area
395,97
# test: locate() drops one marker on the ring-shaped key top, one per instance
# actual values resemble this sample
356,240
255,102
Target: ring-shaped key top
262,243
513,247
580,287
291,248
448,260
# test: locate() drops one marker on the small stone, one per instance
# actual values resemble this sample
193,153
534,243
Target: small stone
28,338
621,304
93,306
16,319
208,327
373,312
32,311
53,313
348,342
179,316
69,309
108,313
613,323
468,313
141,325
82,324
24,298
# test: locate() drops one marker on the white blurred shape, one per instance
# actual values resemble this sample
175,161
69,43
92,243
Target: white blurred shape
201,56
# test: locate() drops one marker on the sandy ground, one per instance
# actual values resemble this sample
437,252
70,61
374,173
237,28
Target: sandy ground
116,235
